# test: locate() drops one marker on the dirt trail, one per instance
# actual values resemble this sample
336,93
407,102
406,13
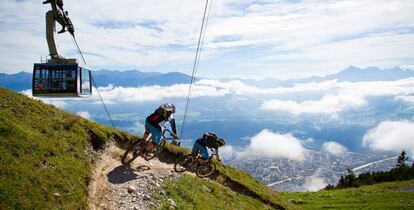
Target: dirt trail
114,186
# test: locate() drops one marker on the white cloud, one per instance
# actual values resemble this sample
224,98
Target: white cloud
334,148
349,95
138,127
406,98
238,87
153,93
57,102
315,182
391,136
228,152
84,114
267,144
329,104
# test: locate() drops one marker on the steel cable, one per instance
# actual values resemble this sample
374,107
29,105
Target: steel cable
196,60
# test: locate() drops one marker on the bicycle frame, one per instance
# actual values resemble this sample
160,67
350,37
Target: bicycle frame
164,131
193,164
210,158
212,154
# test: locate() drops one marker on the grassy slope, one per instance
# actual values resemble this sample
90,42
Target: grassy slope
43,152
246,180
252,184
190,192
379,196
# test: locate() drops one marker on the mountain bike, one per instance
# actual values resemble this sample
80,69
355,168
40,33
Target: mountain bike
202,168
137,147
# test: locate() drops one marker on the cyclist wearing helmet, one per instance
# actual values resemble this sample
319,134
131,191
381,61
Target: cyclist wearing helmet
155,123
209,140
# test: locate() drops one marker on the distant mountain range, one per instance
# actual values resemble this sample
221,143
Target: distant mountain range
350,74
17,82
133,78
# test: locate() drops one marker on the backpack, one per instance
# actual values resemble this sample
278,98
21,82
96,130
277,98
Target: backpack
211,139
164,110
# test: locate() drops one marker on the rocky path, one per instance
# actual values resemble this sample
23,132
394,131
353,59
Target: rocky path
114,186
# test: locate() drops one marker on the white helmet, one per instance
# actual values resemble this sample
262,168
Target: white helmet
170,107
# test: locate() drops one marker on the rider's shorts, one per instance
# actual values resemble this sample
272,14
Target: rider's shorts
198,148
155,132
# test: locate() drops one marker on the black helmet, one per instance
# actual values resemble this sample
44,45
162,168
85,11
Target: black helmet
210,135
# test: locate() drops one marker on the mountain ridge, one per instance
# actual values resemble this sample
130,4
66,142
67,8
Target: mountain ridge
350,74
133,78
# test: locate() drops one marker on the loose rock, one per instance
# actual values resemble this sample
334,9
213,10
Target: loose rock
131,189
172,202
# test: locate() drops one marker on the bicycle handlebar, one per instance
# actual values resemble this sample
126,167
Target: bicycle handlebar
169,131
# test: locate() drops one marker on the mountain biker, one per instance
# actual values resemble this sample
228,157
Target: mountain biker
209,140
154,125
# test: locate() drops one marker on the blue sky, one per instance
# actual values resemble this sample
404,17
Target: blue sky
244,37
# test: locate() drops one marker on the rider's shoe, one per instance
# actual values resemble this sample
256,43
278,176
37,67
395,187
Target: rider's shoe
139,152
136,153
142,154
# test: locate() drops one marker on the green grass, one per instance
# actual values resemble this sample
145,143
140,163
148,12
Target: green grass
379,196
43,152
244,179
253,185
190,192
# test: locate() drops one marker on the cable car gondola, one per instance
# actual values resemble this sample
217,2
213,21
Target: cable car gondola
59,76
61,80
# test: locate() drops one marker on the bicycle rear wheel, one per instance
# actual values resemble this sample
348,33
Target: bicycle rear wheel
131,153
205,169
155,151
183,163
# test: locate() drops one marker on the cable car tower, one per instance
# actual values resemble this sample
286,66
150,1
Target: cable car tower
59,76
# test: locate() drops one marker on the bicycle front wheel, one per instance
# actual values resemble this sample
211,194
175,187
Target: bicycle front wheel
183,163
155,151
205,169
131,153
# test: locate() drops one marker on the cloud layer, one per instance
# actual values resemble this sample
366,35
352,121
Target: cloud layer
348,95
330,97
391,136
329,104
336,96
